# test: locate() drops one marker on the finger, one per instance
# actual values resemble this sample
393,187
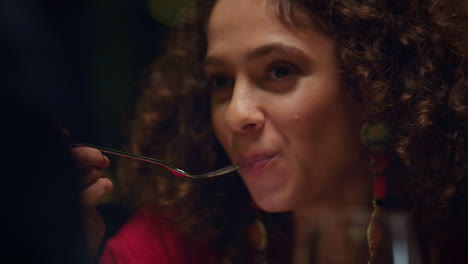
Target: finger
89,157
94,194
65,133
90,176
94,230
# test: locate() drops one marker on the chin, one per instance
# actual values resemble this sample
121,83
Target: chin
273,195
273,203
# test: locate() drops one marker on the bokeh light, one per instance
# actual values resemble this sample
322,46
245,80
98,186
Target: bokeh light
170,12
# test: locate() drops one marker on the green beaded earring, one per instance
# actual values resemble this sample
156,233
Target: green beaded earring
375,136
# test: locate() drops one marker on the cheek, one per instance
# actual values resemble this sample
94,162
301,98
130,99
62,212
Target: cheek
324,131
303,123
219,125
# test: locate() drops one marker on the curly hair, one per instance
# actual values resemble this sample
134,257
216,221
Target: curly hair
404,60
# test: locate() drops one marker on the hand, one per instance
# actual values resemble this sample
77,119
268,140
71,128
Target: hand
95,187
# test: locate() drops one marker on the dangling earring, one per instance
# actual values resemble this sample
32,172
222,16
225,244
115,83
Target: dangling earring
257,236
375,137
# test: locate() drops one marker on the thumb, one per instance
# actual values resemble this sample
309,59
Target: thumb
94,194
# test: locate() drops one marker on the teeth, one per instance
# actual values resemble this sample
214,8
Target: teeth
254,161
257,163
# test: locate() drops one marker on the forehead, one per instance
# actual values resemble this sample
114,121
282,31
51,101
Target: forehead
247,24
288,12
229,15
246,20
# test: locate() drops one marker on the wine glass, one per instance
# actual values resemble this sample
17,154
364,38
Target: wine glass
359,236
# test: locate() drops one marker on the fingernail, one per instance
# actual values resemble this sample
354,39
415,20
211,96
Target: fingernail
106,161
65,133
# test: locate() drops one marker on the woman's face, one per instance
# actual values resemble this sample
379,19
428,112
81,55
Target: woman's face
279,110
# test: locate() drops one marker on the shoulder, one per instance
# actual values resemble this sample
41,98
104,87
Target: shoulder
146,238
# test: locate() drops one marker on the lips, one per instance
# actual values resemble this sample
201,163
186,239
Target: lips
254,164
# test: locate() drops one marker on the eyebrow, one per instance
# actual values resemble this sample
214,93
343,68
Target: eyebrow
276,47
262,51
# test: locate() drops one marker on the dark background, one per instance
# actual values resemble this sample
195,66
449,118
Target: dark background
71,64
82,61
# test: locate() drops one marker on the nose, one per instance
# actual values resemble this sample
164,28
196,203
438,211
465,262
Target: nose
244,113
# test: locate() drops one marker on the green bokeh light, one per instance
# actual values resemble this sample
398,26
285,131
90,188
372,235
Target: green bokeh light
170,12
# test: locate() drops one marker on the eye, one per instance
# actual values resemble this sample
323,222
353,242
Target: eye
282,71
220,82
279,73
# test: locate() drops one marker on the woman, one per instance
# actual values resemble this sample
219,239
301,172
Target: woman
294,91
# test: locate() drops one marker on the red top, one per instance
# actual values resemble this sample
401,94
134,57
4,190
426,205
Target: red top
148,239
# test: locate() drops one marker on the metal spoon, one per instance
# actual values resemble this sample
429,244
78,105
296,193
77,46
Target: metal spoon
172,169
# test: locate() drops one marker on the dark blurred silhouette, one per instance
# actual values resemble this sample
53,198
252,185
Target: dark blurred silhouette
41,216
63,64
41,60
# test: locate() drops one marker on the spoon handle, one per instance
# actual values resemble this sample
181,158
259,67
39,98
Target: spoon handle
125,154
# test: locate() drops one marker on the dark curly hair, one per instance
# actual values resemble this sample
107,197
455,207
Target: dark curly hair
405,60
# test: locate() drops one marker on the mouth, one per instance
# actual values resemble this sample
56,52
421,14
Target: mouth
254,164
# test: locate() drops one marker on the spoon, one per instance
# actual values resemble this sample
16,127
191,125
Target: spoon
171,168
